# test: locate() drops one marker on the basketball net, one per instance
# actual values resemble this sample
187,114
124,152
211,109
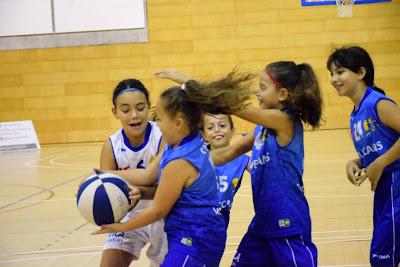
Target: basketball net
345,8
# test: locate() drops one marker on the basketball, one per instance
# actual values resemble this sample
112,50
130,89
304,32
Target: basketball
103,198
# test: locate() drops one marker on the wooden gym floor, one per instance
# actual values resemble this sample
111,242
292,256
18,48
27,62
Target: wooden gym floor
40,225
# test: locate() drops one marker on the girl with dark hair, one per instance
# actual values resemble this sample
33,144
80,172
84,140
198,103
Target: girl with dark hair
132,147
375,130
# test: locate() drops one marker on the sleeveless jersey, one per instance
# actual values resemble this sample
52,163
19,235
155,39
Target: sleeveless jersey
281,208
370,136
229,178
127,156
195,223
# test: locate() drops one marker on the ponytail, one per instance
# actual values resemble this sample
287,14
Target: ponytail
304,95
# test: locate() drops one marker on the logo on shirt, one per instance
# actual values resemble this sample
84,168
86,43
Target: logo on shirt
284,223
235,182
186,241
381,257
366,127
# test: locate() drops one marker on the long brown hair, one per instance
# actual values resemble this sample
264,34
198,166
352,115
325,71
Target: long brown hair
226,95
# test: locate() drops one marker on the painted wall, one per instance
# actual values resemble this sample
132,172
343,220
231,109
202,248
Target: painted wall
67,91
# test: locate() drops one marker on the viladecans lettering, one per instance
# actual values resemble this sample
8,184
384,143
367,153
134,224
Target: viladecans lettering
365,151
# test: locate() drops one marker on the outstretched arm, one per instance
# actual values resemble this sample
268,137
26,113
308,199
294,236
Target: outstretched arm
173,179
140,177
228,153
173,75
275,119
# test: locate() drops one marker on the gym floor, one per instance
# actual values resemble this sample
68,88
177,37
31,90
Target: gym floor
40,225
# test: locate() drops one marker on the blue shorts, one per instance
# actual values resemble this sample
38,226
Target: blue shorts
180,258
283,251
179,255
385,244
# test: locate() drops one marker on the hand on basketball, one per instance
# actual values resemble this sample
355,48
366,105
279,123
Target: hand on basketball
172,75
110,228
355,174
97,171
134,196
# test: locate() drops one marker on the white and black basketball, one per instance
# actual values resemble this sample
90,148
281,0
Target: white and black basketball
103,198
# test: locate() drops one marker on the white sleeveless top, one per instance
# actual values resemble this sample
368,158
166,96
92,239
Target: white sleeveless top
127,156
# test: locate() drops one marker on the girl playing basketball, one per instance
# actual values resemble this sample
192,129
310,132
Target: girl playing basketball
133,147
375,129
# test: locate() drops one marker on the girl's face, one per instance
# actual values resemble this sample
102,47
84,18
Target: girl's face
167,124
217,130
132,110
268,95
344,80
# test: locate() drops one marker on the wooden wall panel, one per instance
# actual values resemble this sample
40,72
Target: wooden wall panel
67,91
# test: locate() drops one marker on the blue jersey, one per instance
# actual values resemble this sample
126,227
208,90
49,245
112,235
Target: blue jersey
195,224
281,208
371,137
229,176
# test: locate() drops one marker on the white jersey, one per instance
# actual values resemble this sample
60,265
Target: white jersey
127,156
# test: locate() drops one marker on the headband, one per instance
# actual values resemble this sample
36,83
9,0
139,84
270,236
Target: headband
274,80
128,90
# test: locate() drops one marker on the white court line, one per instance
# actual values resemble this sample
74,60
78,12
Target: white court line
342,231
340,237
48,251
33,201
320,242
321,196
51,160
51,257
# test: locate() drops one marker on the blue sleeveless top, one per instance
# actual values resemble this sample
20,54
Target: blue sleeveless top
195,223
370,136
281,208
229,177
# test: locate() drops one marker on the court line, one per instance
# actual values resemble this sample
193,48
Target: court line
50,257
33,203
47,200
44,190
319,196
48,251
52,162
51,159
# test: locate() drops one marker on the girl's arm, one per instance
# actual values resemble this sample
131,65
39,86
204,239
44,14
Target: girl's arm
107,161
389,114
173,75
228,153
275,119
140,177
174,178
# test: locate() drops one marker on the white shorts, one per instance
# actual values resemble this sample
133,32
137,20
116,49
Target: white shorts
133,241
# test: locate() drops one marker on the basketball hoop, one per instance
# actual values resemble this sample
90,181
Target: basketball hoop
345,7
